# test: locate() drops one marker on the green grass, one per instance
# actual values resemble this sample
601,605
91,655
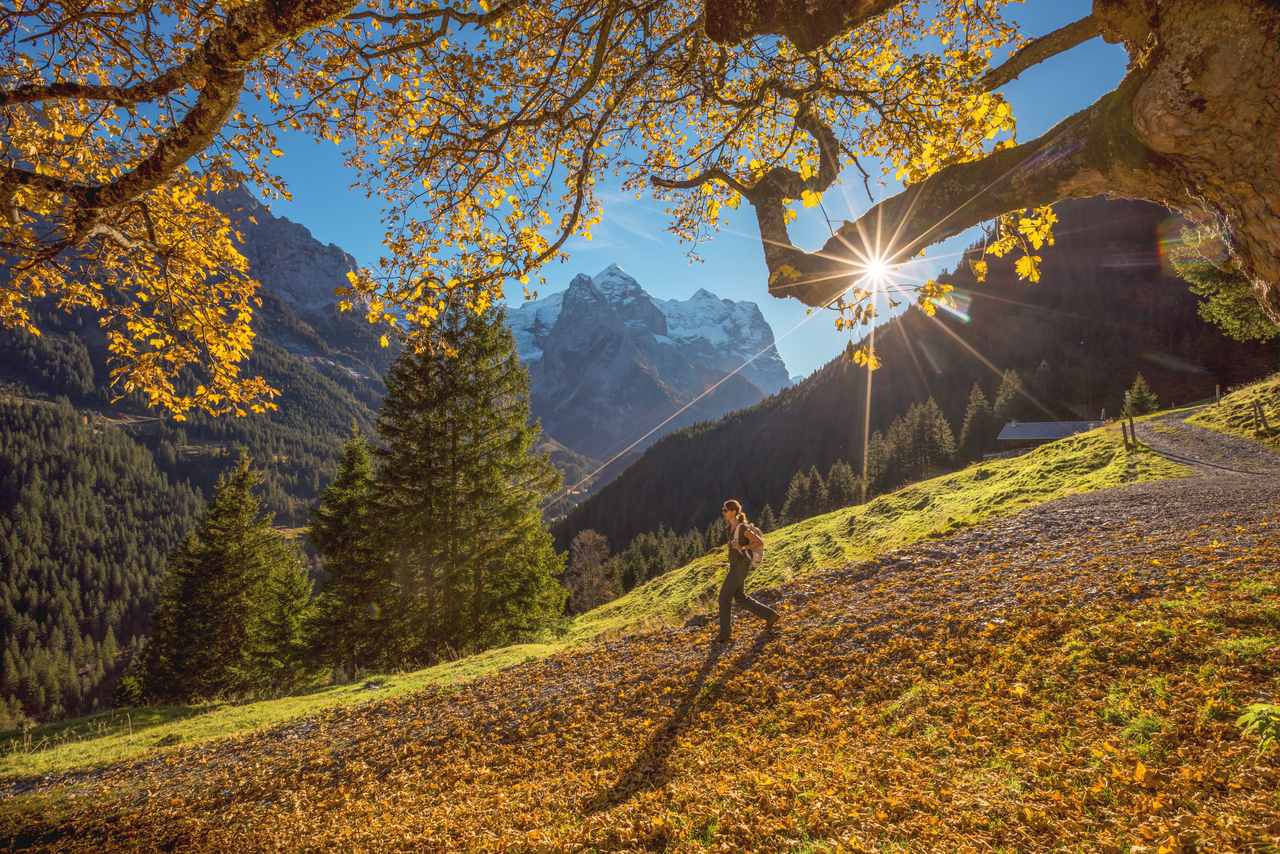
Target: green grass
933,508
1234,413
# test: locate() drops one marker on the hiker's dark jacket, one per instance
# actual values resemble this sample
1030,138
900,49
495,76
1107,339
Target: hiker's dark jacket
740,559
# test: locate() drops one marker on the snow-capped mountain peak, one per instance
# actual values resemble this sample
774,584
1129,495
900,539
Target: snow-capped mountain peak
604,357
617,286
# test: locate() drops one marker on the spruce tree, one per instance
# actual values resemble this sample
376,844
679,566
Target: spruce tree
879,463
459,492
279,659
717,533
935,441
208,635
903,460
768,520
1010,402
795,506
1140,399
842,486
817,499
357,600
977,433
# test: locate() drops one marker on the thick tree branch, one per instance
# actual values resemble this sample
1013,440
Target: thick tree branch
249,32
808,24
190,69
1037,51
447,14
1092,153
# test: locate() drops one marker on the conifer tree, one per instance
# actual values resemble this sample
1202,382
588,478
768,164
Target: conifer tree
280,640
354,607
459,492
878,463
936,443
817,499
1140,399
977,432
842,486
902,460
717,533
768,519
795,506
210,631
1010,404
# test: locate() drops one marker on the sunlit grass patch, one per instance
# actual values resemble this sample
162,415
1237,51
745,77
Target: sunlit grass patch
1246,647
1234,414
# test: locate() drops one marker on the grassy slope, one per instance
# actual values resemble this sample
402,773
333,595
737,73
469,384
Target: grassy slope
932,508
1234,414
1090,461
1077,690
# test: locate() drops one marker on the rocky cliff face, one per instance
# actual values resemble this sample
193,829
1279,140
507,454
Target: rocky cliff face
298,275
608,362
284,255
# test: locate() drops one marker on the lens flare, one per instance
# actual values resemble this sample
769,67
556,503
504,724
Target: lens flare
876,270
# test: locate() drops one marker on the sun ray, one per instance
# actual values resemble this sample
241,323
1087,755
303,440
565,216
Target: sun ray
990,365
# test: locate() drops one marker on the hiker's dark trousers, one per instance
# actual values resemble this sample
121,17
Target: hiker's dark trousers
733,590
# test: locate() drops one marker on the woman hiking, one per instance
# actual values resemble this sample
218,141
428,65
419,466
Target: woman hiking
742,539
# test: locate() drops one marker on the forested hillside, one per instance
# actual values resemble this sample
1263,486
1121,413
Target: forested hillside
1108,307
86,523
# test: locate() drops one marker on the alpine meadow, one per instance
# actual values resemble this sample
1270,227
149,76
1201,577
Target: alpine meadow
640,425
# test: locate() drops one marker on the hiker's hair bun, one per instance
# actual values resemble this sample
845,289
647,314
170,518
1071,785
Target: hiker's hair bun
735,506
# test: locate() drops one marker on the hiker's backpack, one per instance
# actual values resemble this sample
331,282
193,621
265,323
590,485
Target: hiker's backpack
755,553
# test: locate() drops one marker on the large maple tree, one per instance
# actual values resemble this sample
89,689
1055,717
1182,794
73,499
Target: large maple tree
488,129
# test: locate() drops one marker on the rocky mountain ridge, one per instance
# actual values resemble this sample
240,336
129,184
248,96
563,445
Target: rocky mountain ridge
608,361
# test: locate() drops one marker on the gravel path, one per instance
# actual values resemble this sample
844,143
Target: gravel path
1209,453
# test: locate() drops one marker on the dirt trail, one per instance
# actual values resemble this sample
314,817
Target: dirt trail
1209,453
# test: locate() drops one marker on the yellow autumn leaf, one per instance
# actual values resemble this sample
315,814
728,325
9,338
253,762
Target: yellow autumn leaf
1028,267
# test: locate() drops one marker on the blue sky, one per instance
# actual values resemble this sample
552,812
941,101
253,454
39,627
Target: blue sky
633,233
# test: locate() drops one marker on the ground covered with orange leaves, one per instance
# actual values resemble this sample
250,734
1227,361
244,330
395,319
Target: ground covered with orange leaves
1071,677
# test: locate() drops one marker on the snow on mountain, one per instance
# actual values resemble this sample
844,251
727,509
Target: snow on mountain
721,330
607,361
531,322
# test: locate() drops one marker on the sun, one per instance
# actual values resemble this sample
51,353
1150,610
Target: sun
876,269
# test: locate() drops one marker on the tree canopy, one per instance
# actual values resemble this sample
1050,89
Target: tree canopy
489,129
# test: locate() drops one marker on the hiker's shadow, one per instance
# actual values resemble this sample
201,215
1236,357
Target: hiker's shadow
649,770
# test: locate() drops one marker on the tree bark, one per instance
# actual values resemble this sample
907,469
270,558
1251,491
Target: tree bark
807,24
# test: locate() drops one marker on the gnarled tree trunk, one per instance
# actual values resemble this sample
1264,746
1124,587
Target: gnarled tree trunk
1194,126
